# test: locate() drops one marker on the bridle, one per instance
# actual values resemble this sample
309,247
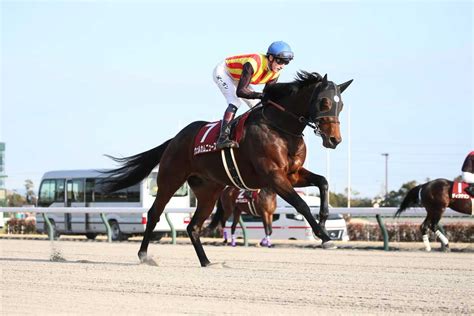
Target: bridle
315,115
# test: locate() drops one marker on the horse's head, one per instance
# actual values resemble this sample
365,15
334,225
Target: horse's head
314,101
324,108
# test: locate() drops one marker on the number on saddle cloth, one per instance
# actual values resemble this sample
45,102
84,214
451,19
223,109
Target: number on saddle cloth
206,139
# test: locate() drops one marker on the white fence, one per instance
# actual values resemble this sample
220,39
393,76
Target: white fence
355,212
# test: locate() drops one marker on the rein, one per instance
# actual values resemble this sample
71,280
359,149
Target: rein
300,119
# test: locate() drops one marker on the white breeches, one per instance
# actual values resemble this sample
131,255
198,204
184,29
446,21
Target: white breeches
468,177
228,87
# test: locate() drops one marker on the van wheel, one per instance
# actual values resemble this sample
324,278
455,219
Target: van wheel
91,236
117,234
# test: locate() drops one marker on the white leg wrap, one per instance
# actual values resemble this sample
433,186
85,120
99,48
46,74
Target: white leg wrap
426,241
441,237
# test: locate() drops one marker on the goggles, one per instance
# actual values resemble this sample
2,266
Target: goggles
282,61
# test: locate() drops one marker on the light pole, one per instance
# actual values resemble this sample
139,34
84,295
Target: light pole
386,173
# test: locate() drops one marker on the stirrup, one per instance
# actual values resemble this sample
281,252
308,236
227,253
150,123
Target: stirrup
227,143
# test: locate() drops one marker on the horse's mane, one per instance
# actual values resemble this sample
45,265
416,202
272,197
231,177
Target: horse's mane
302,79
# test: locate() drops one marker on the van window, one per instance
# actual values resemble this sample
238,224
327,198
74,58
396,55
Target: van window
153,186
47,193
98,194
75,190
59,194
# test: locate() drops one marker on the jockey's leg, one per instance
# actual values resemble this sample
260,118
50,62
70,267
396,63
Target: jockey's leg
228,87
470,189
223,141
251,102
469,178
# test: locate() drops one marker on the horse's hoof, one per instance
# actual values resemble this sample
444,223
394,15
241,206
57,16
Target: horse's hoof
217,265
148,261
328,245
446,249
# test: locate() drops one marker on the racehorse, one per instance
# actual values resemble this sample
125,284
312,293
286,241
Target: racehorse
262,205
271,154
435,196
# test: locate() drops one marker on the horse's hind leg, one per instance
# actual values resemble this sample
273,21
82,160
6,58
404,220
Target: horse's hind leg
168,184
207,194
435,217
236,219
424,232
267,225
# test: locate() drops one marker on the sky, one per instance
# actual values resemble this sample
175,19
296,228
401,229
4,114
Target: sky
80,79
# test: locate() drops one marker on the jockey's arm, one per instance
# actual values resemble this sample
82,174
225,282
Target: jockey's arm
243,89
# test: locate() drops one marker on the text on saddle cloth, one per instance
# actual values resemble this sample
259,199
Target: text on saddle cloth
206,139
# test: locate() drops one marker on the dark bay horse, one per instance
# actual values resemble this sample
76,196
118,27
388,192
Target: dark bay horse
271,154
435,196
262,205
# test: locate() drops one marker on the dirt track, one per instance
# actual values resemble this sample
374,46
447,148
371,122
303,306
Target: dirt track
102,278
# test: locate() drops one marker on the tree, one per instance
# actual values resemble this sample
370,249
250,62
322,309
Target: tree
394,198
340,200
30,193
15,200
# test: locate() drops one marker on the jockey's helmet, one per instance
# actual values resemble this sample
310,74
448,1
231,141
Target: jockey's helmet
281,50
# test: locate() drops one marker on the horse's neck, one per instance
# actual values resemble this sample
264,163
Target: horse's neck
285,121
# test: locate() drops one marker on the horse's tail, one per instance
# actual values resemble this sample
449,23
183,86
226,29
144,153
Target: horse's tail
134,168
410,200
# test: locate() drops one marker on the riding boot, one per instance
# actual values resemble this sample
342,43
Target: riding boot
223,141
470,189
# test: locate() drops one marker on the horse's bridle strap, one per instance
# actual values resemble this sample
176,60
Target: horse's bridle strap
300,119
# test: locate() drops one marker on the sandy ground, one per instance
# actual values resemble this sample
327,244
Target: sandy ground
105,278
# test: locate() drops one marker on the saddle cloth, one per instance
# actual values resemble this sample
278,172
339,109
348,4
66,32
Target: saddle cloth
245,197
206,139
458,191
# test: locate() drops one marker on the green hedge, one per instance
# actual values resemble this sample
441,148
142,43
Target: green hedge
455,232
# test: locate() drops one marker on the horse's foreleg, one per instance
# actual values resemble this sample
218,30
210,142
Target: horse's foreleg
307,178
282,186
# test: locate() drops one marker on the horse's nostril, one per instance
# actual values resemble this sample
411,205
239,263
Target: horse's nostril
334,140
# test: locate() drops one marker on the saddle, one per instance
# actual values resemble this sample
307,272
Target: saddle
206,139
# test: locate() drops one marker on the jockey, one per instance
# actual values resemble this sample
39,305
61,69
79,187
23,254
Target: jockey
468,172
234,75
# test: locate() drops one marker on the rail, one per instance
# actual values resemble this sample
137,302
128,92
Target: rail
355,212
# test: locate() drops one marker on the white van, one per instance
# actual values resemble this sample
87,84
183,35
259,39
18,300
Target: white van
81,188
291,226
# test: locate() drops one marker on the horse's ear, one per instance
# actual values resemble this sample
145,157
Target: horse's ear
343,86
325,79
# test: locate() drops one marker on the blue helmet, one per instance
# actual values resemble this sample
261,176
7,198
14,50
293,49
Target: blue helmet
280,49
